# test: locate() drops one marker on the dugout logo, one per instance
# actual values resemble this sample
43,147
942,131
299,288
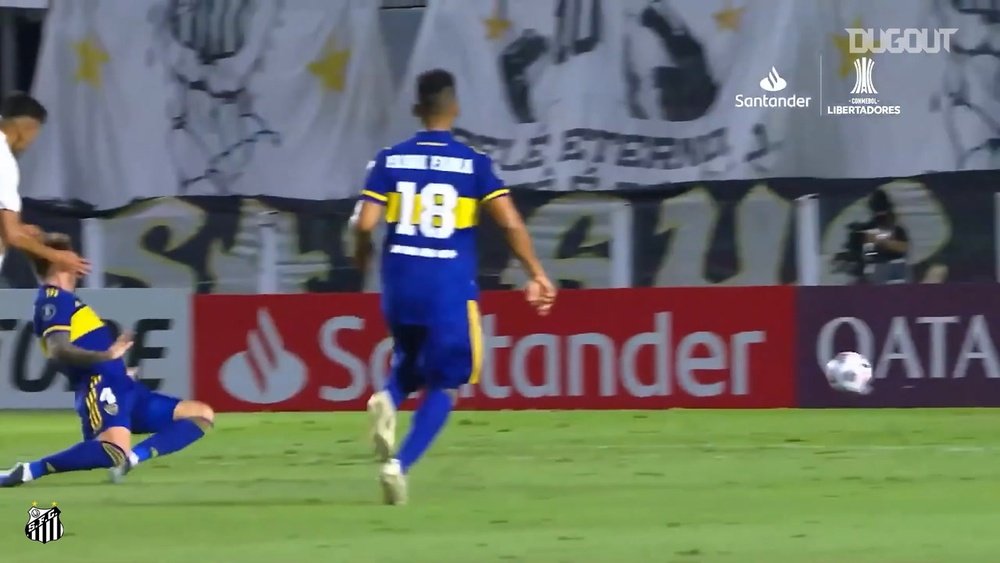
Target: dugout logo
44,524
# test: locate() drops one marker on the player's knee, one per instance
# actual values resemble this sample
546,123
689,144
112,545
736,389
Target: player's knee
118,437
116,453
195,410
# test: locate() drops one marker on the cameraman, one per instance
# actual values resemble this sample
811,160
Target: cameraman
876,249
886,244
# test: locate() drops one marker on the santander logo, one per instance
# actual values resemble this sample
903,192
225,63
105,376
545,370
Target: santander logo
773,82
646,364
265,373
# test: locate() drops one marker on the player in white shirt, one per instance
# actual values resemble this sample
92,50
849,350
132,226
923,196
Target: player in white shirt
21,118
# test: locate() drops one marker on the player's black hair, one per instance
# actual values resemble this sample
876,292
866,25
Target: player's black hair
56,241
879,202
19,104
435,89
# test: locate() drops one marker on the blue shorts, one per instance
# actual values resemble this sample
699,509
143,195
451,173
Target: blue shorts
444,353
117,402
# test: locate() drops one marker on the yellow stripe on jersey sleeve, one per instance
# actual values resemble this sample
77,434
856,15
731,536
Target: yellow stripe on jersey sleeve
466,211
392,207
374,195
83,322
55,328
495,194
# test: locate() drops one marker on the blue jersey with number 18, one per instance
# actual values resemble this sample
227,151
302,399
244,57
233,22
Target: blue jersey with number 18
432,186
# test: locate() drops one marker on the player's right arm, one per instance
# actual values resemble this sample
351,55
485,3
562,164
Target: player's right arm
368,212
65,352
54,315
16,234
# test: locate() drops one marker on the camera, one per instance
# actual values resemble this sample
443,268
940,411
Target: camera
851,260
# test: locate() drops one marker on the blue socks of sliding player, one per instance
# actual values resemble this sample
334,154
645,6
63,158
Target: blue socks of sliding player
179,435
92,454
95,454
427,423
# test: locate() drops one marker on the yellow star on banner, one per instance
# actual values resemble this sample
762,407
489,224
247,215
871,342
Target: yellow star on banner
497,24
729,17
843,44
90,58
331,67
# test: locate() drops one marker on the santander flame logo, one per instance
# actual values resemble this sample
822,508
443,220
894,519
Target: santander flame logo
773,82
265,373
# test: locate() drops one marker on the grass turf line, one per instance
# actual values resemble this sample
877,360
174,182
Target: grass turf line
915,486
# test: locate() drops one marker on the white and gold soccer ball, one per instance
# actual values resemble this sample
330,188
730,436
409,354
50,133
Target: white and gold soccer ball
850,372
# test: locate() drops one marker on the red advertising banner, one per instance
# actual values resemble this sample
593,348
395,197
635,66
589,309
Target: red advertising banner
599,349
930,345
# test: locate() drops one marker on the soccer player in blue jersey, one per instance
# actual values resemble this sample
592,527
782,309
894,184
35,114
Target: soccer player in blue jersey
111,404
431,188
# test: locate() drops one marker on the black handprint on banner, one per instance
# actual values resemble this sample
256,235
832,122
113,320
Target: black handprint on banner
578,30
515,61
687,89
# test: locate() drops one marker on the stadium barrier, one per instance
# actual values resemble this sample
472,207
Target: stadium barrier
649,348
726,233
600,349
930,346
160,320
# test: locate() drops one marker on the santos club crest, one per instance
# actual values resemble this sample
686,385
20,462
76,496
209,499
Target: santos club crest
43,524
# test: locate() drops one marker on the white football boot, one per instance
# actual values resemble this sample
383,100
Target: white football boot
393,483
18,475
117,473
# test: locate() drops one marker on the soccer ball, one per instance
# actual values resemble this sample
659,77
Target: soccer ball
850,372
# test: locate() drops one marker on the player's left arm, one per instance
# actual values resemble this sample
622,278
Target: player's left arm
368,211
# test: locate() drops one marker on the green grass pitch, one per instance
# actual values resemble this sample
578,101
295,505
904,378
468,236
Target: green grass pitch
915,486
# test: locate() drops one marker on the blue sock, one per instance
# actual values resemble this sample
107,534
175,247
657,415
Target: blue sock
395,391
92,454
427,424
176,437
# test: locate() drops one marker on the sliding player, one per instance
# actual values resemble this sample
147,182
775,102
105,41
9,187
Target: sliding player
111,404
431,188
